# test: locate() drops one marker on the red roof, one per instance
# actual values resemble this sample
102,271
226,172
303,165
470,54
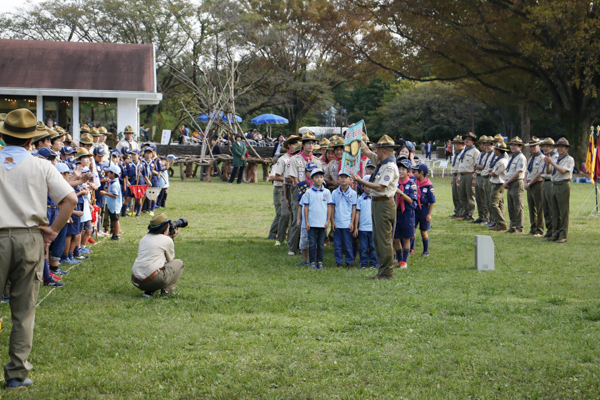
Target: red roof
39,64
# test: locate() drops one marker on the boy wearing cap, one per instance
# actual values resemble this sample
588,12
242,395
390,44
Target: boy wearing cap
363,228
344,207
466,170
549,151
147,172
533,186
302,188
425,201
514,186
132,175
406,202
459,145
318,212
114,200
562,174
497,178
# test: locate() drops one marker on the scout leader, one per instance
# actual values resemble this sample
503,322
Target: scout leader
562,174
482,180
383,184
495,140
128,142
533,186
459,145
549,151
334,167
514,185
466,170
297,173
497,178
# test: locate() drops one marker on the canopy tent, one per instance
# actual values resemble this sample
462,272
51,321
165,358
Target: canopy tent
269,119
323,131
220,117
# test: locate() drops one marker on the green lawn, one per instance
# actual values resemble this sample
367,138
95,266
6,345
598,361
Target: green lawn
247,323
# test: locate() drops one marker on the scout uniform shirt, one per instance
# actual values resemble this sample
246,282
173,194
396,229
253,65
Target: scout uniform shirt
427,197
468,159
147,168
297,167
132,171
133,145
332,170
499,168
566,162
487,161
547,169
279,168
455,163
535,165
387,175
516,164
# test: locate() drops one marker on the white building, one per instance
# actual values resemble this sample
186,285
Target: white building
75,83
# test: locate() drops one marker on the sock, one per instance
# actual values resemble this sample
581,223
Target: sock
70,255
138,207
425,245
405,254
76,251
47,276
152,205
399,255
64,256
164,199
412,243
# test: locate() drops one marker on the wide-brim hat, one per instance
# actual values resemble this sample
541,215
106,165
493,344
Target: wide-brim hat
337,142
309,136
471,136
94,132
20,124
501,146
158,220
43,131
128,129
485,139
365,138
516,140
534,141
291,139
84,129
458,139
498,138
82,152
102,131
562,142
386,142
548,141
324,143
86,138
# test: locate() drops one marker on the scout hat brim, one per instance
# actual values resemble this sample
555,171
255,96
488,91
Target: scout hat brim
20,124
505,149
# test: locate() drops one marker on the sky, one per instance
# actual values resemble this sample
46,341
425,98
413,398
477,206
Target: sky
10,5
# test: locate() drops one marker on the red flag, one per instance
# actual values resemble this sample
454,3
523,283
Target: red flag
597,168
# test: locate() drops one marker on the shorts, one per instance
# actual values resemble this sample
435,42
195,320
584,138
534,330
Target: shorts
422,224
405,224
304,242
113,216
85,225
74,228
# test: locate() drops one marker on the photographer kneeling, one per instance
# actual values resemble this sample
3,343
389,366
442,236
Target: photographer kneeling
155,267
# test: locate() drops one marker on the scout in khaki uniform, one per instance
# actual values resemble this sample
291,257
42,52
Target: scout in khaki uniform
482,181
562,174
383,184
533,186
549,151
466,170
514,185
24,231
495,140
128,142
333,168
459,145
297,173
497,178
279,182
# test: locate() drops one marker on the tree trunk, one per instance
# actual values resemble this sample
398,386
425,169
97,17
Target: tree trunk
578,133
525,115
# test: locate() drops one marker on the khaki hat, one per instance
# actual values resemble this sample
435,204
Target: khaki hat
386,141
309,136
94,132
84,129
58,129
458,139
291,139
337,142
562,142
20,124
547,141
498,138
501,146
317,149
86,138
324,142
158,220
43,131
82,152
516,140
102,131
485,139
128,129
533,141
365,138
471,136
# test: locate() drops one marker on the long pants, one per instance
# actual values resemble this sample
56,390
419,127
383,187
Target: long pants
466,193
367,249
240,173
497,210
481,198
514,198
536,213
488,196
22,263
561,193
342,242
284,219
383,213
456,196
294,237
166,278
277,195
316,240
547,206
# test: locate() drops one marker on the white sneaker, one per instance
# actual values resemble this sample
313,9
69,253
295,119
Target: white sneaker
277,243
291,253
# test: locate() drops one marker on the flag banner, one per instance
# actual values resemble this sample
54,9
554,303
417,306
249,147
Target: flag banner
590,160
351,157
597,162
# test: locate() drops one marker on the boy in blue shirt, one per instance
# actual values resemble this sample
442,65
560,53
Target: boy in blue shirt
405,213
426,199
303,186
363,228
114,199
344,206
318,208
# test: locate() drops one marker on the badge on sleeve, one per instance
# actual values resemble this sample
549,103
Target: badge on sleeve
386,178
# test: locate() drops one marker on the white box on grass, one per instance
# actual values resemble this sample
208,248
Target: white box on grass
484,253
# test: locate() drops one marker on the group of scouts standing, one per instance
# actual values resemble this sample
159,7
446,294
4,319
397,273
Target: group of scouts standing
372,213
480,177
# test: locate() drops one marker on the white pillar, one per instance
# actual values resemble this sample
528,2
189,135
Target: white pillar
40,108
127,114
75,119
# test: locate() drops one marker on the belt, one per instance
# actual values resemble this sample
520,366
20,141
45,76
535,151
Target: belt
560,182
547,179
466,173
147,279
455,173
381,198
486,176
52,207
10,231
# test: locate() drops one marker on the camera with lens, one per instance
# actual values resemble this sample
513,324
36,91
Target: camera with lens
180,223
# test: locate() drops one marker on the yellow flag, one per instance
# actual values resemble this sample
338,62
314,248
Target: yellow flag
590,159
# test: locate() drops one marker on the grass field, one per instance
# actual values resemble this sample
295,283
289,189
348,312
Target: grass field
247,323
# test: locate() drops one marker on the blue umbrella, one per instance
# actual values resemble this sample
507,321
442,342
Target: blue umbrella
269,119
205,117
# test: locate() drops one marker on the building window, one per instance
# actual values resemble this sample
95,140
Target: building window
98,112
10,102
57,111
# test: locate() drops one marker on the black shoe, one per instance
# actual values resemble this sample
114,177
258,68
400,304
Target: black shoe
148,294
164,293
477,221
115,238
425,254
469,219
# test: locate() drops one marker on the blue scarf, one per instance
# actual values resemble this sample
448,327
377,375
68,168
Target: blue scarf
511,160
553,152
530,165
494,161
12,156
465,152
387,160
558,162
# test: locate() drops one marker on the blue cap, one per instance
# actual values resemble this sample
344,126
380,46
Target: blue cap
62,168
406,163
171,157
68,150
310,166
344,173
34,153
422,167
115,169
147,148
46,152
116,152
316,171
99,151
369,163
135,151
125,150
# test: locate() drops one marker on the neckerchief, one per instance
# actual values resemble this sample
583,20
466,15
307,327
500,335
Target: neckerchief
480,158
552,153
148,168
137,171
363,157
387,160
558,162
420,184
347,194
307,159
496,159
339,160
530,165
313,187
457,156
12,156
511,160
399,198
465,151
